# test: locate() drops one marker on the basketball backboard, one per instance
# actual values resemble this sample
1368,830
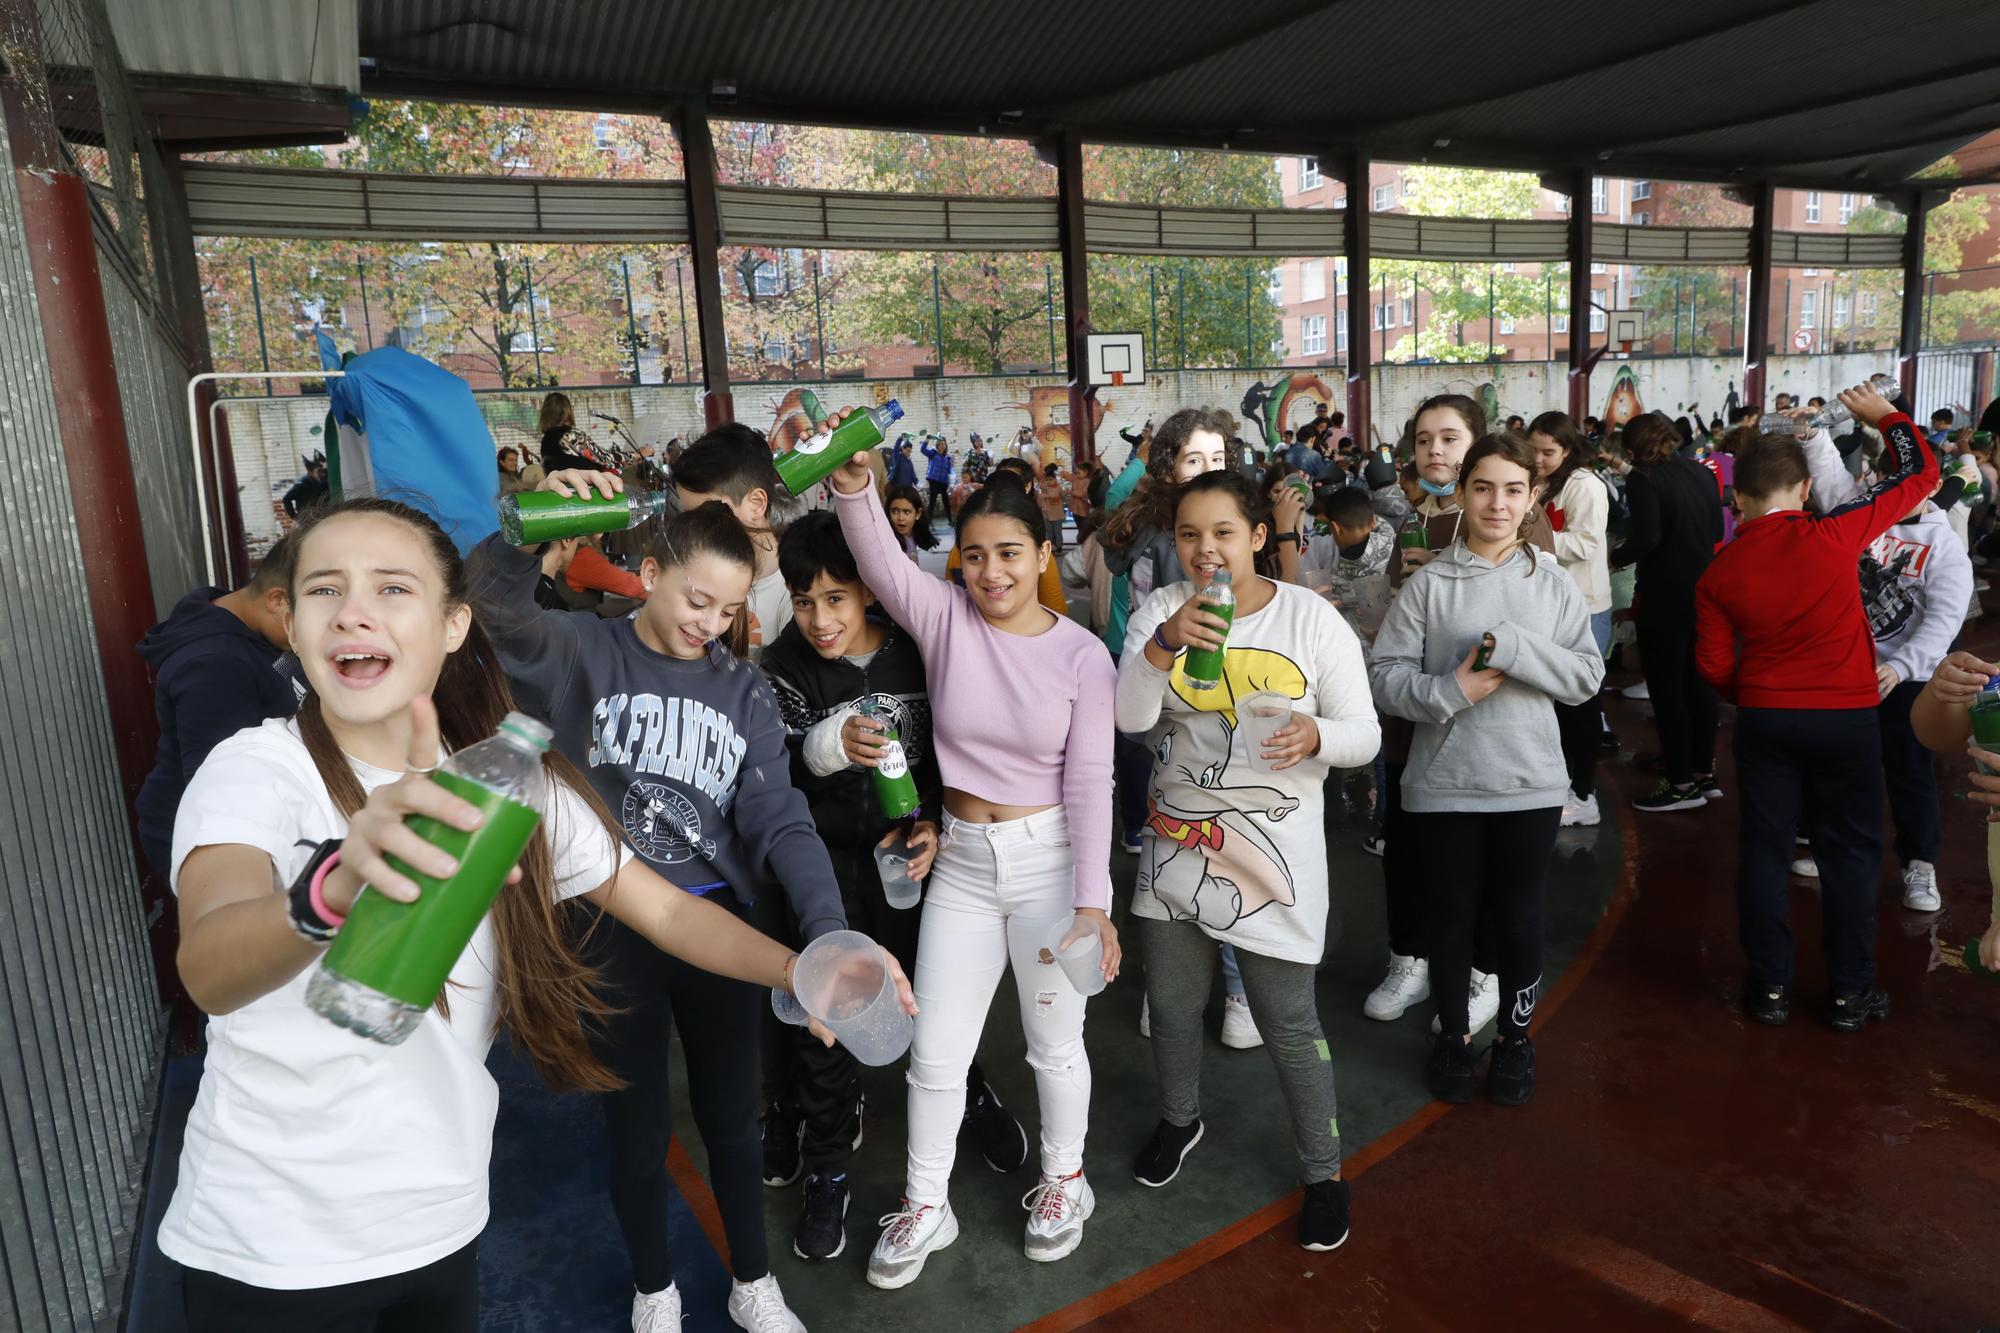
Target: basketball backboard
1627,326
1116,358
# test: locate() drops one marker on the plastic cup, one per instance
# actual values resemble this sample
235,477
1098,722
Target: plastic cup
892,863
843,980
1260,717
1073,944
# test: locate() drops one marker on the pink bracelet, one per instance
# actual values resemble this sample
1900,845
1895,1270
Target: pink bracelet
318,899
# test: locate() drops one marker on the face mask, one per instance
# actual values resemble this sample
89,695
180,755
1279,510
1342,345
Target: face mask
1431,489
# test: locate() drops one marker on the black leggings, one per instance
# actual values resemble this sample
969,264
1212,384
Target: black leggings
1683,705
440,1297
1403,877
718,1030
940,499
1481,864
1582,727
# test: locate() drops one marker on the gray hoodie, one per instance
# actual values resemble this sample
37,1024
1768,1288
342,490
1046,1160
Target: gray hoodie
1502,753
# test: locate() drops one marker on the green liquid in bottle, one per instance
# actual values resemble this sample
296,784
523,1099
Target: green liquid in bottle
1979,969
1203,666
533,517
387,964
1986,719
895,785
813,461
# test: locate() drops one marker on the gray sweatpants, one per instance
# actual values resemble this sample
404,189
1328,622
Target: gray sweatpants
1180,959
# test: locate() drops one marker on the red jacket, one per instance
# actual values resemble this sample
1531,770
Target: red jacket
1778,615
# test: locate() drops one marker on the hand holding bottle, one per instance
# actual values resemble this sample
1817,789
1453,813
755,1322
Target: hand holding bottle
1195,626
852,475
1477,681
1867,404
581,481
1960,677
863,741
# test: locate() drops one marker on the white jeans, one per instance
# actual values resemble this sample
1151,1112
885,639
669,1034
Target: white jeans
995,893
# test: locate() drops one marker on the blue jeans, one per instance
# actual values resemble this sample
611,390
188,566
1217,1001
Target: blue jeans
1600,630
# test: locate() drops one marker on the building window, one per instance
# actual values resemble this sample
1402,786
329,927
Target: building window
1340,275
1381,318
770,279
604,133
1312,280
522,341
1340,337
1600,195
1642,190
1506,324
1869,308
1809,309
1409,312
1812,205
1409,187
1847,202
1340,202
1812,273
1597,268
1839,310
1596,320
1309,177
1385,198
1312,335
1507,267
1560,324
1640,219
774,349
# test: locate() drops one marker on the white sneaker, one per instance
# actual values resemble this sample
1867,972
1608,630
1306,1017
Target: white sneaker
1239,1029
1806,866
760,1307
1057,1210
1408,983
908,1238
1581,813
1482,1003
657,1311
1920,892
1146,1016
1638,691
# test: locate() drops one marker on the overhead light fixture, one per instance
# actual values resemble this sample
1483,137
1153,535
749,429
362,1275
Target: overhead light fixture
722,90
1010,117
1440,143
1604,156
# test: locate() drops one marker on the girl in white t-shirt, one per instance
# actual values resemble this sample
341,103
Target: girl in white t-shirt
1232,853
326,1178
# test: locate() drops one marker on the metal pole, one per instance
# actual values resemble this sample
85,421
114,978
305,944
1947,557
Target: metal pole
1549,315
1853,305
1930,299
1049,304
1786,322
687,349
1676,344
1732,310
819,316
257,303
937,316
1757,300
367,324
1492,326
1181,318
1386,312
631,321
1153,311
534,321
1248,278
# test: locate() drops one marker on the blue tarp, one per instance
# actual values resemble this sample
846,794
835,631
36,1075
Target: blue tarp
425,440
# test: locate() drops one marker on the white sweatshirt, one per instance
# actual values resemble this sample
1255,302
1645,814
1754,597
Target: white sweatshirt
1579,516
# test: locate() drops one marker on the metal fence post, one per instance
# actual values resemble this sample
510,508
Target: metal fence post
534,321
687,348
819,316
257,303
937,315
631,322
367,323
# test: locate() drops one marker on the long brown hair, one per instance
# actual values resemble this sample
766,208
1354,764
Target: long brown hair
557,414
1558,427
1467,408
710,528
1650,438
546,991
1151,504
1515,449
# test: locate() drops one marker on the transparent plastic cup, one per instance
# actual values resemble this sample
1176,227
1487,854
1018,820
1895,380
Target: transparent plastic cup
892,863
843,980
1260,717
1073,944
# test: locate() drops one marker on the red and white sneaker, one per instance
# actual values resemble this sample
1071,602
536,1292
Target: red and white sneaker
909,1236
1057,1210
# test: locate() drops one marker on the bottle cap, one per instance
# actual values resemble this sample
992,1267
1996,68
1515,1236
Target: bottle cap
1220,576
894,409
531,730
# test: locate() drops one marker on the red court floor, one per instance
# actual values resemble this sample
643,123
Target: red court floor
1680,1166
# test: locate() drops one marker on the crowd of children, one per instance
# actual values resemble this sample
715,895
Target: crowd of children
711,803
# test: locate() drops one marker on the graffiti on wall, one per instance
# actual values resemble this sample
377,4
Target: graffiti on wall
1296,397
1047,406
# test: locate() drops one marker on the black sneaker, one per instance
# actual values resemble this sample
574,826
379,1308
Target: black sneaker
1453,1061
1160,1160
1669,796
1706,784
1002,1141
1510,1077
1767,1004
782,1135
1857,1009
822,1230
1323,1218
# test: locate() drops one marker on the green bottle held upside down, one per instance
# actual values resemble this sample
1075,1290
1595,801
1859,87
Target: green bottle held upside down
389,961
812,461
533,517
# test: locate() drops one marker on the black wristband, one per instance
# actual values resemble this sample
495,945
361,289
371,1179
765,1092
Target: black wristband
306,920
1291,537
1164,646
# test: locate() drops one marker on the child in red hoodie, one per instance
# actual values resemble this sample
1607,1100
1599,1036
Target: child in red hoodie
1781,633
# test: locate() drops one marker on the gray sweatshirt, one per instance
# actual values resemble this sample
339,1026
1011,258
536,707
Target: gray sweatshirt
1502,753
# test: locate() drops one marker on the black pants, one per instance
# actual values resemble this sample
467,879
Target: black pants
1912,774
718,1027
820,1085
1825,766
1683,705
1582,727
1132,779
940,500
1403,877
440,1297
1493,864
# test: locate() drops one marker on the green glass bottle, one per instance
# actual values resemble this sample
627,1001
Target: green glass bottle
1414,534
812,461
1484,657
386,966
1978,968
1203,666
1986,719
895,785
533,517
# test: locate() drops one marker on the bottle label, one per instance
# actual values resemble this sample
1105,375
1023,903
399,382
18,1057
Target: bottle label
816,445
894,763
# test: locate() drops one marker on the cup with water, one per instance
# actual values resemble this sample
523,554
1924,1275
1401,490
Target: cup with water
1260,717
843,979
892,863
1073,945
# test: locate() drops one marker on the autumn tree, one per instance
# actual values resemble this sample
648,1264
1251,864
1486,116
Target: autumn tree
1460,294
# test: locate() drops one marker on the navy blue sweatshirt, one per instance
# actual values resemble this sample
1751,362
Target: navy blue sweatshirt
213,676
689,756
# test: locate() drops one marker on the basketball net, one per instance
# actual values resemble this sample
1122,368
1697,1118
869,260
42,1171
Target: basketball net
1117,378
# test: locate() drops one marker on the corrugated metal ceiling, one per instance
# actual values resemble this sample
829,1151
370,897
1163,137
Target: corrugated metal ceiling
313,42
1806,91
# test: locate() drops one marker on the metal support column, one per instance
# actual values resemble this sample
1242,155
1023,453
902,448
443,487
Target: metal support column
1910,339
1581,357
1757,321
690,123
1076,299
1360,352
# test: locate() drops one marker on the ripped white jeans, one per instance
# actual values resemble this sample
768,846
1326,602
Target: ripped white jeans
995,892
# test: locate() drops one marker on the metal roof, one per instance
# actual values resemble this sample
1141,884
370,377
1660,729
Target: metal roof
1845,93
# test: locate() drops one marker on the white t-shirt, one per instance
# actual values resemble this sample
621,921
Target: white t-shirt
315,1157
771,602
1243,853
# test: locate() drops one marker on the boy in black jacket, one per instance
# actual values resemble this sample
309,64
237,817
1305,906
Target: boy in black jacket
830,656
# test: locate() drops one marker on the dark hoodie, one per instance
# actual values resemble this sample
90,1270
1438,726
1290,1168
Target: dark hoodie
214,676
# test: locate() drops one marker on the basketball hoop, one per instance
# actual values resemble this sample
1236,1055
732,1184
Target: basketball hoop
1117,377
1114,359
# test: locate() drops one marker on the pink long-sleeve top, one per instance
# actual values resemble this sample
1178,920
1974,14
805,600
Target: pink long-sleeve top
1016,720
